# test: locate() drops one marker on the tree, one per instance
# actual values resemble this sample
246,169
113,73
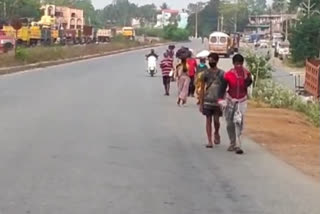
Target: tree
235,15
280,5
195,7
60,2
88,9
304,40
257,6
295,4
19,8
207,19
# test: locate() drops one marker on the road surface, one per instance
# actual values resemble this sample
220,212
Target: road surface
98,136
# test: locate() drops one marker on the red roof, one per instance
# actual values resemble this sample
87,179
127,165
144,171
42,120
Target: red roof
171,11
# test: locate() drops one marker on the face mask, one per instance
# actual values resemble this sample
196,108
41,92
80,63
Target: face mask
213,64
202,64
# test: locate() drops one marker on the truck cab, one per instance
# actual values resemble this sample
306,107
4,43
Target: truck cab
7,43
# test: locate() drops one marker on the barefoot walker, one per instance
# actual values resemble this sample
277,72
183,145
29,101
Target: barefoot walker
209,96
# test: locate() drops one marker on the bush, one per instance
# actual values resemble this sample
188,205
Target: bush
172,32
305,39
258,66
280,97
151,32
21,54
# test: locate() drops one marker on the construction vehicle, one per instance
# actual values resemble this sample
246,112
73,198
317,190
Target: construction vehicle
128,32
7,43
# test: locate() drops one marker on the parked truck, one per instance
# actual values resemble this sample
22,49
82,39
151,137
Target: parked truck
7,43
104,35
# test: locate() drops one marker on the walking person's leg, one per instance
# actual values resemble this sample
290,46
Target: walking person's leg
231,129
193,87
168,85
209,131
164,81
185,88
216,129
180,84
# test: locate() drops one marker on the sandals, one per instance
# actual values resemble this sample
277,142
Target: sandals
239,151
209,146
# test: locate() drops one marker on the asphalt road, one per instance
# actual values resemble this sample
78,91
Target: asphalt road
98,136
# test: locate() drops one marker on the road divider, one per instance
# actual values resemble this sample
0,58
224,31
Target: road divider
25,67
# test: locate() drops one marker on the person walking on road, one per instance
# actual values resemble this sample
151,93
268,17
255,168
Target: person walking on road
237,80
209,96
202,67
183,81
192,64
166,66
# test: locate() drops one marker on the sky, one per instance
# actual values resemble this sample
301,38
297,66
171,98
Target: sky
174,4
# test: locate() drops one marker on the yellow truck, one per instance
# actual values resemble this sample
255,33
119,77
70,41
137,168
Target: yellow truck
128,32
35,35
26,35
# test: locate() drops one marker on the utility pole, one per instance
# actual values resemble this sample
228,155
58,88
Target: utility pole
286,36
236,17
218,26
222,23
4,10
196,27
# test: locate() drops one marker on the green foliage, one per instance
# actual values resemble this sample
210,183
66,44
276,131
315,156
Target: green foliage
152,32
259,66
294,4
19,9
305,39
234,13
172,32
280,5
279,97
123,11
256,7
21,54
207,19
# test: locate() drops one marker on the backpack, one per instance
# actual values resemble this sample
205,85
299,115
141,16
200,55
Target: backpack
213,85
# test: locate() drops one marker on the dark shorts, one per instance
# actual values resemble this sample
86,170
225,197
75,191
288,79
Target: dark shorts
166,80
210,111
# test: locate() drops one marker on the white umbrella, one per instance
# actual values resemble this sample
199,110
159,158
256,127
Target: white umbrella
203,54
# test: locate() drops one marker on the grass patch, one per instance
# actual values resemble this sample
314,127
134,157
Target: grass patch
280,97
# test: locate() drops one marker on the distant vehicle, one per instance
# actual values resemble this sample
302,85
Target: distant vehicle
282,49
263,43
276,37
104,35
129,32
6,42
246,38
220,43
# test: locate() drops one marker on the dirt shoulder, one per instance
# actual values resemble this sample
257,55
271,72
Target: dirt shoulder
287,134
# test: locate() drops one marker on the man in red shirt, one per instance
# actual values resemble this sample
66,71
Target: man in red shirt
237,80
192,64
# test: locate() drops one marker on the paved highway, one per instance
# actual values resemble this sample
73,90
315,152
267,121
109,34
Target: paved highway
98,136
